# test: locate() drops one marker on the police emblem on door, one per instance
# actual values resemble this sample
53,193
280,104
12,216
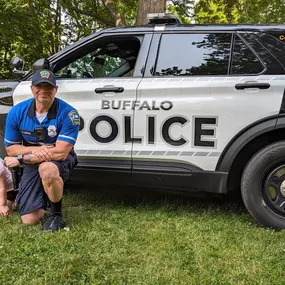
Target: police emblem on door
52,131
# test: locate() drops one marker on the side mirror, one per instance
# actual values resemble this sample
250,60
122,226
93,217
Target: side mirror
42,63
17,65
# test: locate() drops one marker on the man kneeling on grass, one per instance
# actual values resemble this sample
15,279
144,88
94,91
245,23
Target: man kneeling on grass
39,136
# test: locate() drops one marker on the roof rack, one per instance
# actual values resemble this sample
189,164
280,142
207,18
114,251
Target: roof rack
163,18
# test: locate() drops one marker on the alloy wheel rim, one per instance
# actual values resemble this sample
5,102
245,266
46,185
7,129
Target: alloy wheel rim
273,190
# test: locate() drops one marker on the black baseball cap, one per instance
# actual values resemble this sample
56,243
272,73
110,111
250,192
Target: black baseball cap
43,76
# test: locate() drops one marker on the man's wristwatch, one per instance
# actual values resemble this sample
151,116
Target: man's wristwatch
20,159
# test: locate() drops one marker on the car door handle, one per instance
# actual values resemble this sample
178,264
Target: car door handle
109,89
252,84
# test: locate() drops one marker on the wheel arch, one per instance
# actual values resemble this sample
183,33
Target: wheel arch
245,144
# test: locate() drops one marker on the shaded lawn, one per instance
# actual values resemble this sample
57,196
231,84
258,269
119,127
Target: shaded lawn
118,237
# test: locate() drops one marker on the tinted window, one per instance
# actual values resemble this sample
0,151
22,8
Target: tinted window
273,66
194,54
273,45
88,67
110,58
278,35
244,61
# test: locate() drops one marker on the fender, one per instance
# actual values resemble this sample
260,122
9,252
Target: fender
241,139
6,102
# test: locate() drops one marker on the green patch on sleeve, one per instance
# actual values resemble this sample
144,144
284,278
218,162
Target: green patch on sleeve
74,117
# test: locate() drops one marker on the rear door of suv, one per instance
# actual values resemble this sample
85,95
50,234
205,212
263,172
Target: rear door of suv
200,89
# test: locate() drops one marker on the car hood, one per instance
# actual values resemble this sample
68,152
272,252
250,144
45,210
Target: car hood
7,87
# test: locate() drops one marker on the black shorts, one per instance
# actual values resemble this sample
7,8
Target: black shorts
31,194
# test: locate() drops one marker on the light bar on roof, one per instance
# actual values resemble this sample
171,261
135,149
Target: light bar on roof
162,18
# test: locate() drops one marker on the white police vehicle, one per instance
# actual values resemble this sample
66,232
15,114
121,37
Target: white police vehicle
184,107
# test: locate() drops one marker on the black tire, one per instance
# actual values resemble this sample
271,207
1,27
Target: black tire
261,186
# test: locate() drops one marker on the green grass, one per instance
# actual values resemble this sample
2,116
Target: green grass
150,240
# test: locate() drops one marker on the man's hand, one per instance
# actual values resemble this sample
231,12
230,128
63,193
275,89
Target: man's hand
43,153
4,211
11,162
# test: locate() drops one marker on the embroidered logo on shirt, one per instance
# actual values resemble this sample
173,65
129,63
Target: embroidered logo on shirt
74,117
52,131
45,74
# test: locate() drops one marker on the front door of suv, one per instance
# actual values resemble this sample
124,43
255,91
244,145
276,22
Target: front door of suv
101,81
194,99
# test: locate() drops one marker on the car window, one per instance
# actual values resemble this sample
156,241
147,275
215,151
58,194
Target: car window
194,54
273,65
244,61
111,58
274,46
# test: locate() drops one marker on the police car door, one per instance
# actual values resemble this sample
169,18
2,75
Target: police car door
200,89
101,81
99,77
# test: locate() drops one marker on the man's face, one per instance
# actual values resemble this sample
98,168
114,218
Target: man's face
44,93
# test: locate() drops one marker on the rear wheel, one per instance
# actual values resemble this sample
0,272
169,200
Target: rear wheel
263,186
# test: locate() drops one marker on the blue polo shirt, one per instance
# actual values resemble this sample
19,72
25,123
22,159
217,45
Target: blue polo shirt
22,126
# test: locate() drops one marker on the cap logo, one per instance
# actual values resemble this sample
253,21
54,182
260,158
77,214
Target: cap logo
45,74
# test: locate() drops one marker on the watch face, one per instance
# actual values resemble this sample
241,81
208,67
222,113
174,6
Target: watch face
20,158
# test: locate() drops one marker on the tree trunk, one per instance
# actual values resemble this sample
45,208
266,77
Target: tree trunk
117,18
57,26
149,6
50,27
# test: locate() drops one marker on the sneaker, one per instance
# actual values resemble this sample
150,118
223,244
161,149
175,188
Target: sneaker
53,222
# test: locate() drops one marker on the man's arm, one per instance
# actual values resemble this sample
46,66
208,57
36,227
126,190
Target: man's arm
17,149
13,138
59,152
41,153
12,161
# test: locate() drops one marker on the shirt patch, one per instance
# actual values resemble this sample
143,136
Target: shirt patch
52,131
74,117
45,74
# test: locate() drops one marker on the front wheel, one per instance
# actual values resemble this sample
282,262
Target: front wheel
263,186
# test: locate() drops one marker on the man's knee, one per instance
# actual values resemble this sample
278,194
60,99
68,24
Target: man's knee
48,171
33,217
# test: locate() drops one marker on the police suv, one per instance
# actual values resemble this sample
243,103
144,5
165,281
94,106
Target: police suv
184,107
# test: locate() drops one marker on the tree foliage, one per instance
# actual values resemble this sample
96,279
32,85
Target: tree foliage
184,9
29,28
240,11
